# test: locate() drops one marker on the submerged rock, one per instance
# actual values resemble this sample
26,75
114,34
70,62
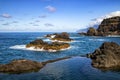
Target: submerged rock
54,46
107,56
61,37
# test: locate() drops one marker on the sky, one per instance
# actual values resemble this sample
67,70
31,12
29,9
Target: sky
52,15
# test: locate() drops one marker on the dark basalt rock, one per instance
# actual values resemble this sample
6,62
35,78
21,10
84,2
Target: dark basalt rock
59,37
107,56
40,44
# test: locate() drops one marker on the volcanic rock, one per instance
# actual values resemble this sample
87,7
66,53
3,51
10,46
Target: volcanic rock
107,56
25,66
63,37
108,27
54,46
20,66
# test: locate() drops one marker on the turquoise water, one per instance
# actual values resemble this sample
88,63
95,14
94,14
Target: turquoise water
76,68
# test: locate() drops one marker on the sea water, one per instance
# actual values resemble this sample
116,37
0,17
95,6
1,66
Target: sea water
12,46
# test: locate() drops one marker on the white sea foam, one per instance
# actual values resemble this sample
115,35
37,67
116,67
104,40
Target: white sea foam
47,40
113,36
97,40
52,36
39,37
23,47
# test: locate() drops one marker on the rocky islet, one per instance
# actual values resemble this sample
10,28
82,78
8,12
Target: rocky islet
107,56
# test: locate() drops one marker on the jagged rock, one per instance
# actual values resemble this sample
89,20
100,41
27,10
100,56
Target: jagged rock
40,44
107,56
92,32
59,37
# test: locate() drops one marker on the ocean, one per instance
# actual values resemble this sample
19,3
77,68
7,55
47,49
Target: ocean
12,47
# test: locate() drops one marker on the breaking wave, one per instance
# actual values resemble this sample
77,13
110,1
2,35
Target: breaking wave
23,47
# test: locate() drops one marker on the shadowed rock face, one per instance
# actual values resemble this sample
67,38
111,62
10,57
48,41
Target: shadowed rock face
59,37
107,56
40,44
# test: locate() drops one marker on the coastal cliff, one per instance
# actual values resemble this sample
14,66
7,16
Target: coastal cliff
108,27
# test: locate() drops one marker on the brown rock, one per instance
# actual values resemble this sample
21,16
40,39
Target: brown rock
60,37
40,44
92,32
23,66
108,27
20,66
107,56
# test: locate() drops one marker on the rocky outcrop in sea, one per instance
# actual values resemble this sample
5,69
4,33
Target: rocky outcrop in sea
59,37
39,44
20,66
25,66
107,56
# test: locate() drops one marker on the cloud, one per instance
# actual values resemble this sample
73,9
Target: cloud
15,22
51,8
6,15
5,24
31,23
37,21
97,21
1,20
42,16
35,25
48,25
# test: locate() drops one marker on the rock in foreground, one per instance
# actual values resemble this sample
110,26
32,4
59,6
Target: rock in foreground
107,56
62,37
20,66
54,46
23,66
